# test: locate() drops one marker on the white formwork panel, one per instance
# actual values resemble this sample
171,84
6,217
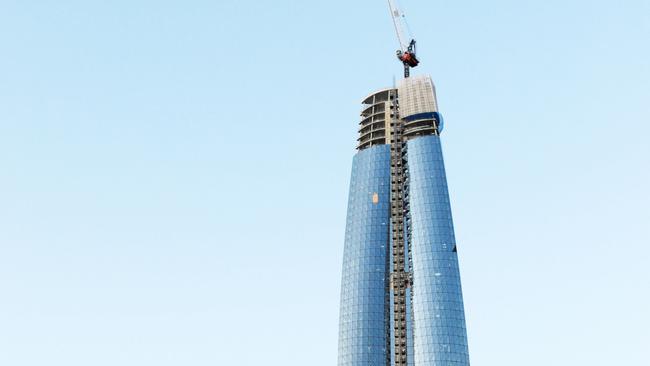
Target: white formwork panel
417,94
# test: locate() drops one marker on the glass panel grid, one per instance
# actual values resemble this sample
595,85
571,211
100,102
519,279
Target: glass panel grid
363,324
439,334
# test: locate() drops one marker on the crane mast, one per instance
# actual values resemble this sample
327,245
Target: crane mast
406,51
400,276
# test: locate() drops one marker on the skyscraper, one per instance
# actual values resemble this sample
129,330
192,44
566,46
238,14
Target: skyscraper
401,300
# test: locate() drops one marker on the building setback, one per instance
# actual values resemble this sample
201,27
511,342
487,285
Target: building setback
401,300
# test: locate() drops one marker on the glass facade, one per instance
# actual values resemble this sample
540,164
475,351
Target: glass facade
363,324
372,291
439,335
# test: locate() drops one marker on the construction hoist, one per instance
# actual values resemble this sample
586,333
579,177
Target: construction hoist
400,277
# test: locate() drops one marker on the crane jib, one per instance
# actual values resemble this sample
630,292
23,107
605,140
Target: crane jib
406,53
398,21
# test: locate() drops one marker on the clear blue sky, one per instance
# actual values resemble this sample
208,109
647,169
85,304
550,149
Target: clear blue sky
173,176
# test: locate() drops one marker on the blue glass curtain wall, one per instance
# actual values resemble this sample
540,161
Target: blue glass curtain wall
439,334
364,320
436,330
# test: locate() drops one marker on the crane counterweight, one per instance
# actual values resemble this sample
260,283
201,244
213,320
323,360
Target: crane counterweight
406,54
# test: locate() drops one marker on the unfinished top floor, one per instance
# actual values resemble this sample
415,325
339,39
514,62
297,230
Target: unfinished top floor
413,104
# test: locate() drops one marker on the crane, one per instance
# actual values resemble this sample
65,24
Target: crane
406,51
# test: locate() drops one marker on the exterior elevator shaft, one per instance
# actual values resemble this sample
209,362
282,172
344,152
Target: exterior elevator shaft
399,278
